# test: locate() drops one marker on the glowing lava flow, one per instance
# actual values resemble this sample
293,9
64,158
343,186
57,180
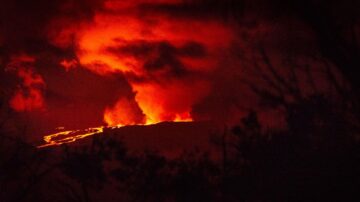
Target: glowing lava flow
70,136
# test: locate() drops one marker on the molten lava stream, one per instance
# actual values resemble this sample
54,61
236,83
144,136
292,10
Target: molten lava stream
74,135
69,136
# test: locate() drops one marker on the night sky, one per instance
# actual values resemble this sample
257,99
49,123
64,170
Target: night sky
86,63
179,100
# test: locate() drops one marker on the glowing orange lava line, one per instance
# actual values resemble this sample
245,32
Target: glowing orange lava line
70,136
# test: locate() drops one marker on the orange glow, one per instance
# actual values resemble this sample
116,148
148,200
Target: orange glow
159,95
123,113
106,32
169,101
69,136
172,102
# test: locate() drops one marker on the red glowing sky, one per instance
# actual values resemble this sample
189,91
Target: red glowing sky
110,62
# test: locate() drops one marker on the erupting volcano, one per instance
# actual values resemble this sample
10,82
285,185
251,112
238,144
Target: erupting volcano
179,100
158,60
157,67
110,63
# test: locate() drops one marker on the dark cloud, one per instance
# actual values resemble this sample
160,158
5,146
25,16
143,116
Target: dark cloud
197,9
193,50
23,22
162,55
77,97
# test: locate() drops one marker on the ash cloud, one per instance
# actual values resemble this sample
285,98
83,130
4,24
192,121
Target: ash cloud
74,98
194,54
24,22
198,9
161,56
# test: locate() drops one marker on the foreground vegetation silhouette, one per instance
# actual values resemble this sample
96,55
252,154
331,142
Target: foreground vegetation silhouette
315,158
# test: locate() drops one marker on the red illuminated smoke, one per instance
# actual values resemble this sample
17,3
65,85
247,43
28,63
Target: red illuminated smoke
29,94
165,60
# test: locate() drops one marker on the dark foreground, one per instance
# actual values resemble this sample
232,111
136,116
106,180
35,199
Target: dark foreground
315,159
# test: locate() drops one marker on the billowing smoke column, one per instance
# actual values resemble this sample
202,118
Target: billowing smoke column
86,63
164,60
